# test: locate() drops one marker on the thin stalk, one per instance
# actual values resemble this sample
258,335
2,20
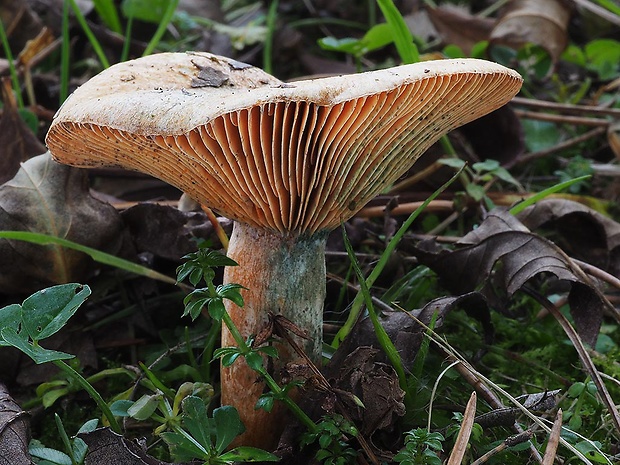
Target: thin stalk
89,34
12,69
92,392
382,336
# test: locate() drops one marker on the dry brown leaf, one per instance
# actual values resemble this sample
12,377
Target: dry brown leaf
49,198
14,431
582,232
107,447
458,27
532,21
501,239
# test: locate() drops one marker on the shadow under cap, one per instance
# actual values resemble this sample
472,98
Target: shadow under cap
291,158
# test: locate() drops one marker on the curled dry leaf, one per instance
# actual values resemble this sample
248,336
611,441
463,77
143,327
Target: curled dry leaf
502,256
376,385
584,233
14,431
107,447
49,198
459,27
532,21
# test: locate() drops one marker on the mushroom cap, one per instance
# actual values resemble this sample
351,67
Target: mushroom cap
293,158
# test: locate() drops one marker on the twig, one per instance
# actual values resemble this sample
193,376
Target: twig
598,273
565,107
554,440
584,121
460,445
599,11
406,208
508,442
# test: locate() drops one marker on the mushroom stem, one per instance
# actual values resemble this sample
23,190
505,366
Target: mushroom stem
286,276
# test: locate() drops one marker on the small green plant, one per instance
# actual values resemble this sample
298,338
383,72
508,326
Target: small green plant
332,435
75,448
40,316
162,405
200,266
421,447
206,437
394,30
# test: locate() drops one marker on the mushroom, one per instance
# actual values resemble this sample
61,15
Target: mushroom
287,162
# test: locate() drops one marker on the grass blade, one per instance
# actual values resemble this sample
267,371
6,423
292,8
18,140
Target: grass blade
407,49
97,255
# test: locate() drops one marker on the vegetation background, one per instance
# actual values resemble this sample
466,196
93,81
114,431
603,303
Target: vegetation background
533,329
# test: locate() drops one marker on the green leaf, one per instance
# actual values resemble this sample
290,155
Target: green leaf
603,56
377,37
10,317
248,454
591,449
98,256
254,360
452,162
51,455
89,426
401,34
518,208
475,191
540,135
346,45
45,312
216,309
36,353
265,402
183,448
228,426
107,12
197,422
150,11
269,351
145,406
231,292
119,407
79,449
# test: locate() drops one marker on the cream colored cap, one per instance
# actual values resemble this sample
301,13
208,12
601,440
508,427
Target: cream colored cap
295,158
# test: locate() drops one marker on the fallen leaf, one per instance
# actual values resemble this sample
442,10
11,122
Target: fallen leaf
582,232
54,199
459,27
17,142
14,431
376,385
535,22
501,256
109,448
